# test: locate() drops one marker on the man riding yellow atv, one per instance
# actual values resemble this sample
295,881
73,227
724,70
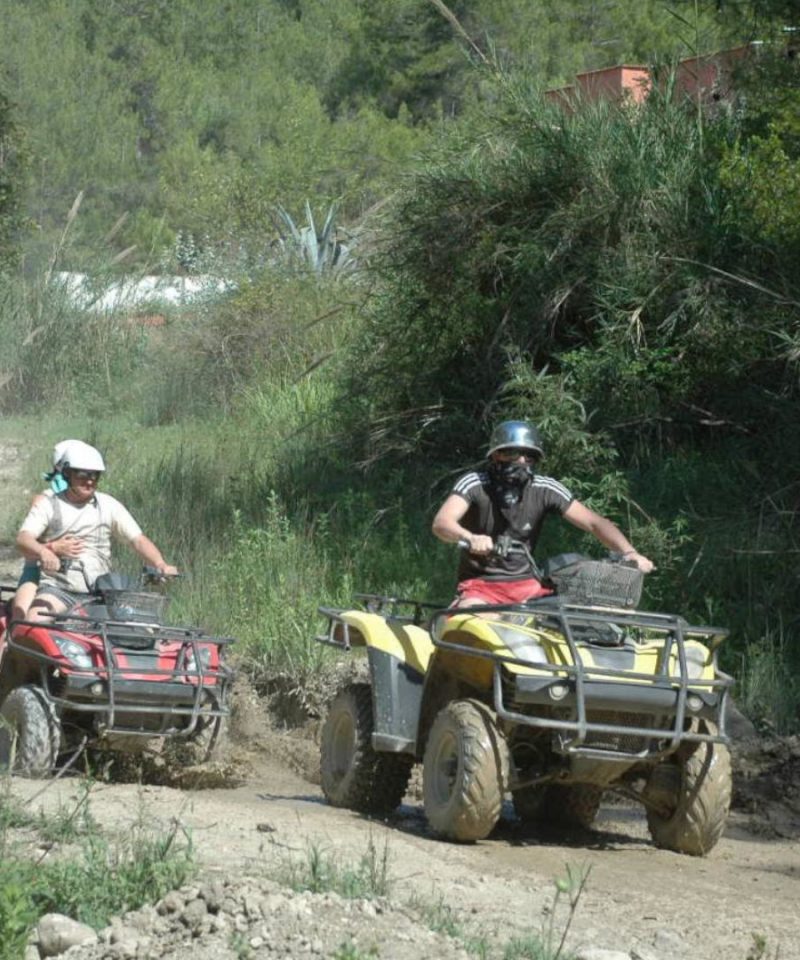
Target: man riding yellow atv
553,701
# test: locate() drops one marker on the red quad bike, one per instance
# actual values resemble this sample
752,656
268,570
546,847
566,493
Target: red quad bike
108,673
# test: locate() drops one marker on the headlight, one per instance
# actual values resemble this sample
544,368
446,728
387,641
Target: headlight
204,657
74,652
696,657
522,645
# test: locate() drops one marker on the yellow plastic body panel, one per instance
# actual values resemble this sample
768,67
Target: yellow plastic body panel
472,630
410,644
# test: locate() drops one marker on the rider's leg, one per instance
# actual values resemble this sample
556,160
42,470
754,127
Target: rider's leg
22,600
26,590
45,607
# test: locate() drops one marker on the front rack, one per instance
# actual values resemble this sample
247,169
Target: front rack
564,617
116,676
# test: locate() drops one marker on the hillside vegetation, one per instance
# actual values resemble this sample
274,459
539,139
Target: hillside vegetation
418,244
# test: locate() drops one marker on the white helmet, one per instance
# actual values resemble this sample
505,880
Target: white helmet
59,450
78,455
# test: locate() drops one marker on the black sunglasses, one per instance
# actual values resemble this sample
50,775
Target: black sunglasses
85,474
514,453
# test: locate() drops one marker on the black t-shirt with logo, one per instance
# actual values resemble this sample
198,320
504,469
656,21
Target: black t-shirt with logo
487,514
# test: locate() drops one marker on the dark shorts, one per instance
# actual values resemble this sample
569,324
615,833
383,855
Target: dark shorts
501,591
31,573
66,597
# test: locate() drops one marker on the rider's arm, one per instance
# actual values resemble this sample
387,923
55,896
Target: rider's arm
608,533
151,555
31,549
447,526
33,526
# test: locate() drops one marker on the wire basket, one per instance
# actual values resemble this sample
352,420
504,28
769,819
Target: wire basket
599,583
135,605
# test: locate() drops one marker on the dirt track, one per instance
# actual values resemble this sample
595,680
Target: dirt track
646,902
639,900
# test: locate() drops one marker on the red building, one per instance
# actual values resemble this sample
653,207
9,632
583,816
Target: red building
709,76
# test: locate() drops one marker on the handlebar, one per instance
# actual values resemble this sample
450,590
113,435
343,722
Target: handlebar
503,546
154,575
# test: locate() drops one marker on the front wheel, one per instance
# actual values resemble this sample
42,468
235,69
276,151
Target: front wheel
30,734
465,772
352,773
688,799
204,745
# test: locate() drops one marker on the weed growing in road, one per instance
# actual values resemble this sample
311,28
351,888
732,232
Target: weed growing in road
545,945
759,949
442,918
321,872
350,951
69,822
239,945
570,886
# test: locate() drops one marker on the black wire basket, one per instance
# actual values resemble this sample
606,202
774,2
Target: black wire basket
599,583
135,605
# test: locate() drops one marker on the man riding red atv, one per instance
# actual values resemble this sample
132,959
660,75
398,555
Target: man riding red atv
87,660
107,673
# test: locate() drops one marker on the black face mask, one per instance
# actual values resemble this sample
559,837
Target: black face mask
508,479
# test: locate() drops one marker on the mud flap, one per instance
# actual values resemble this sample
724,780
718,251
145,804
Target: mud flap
396,701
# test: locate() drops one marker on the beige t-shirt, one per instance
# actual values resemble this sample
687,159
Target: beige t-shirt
94,522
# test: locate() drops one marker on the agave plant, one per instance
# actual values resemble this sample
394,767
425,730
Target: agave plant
322,251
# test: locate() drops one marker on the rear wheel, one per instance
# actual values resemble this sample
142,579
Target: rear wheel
353,774
688,799
571,804
465,772
30,735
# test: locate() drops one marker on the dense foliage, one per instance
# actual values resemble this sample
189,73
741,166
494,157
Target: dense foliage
195,116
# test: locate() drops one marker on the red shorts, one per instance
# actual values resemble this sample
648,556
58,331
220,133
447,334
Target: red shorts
501,591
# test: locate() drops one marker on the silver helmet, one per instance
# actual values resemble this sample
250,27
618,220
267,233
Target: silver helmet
516,433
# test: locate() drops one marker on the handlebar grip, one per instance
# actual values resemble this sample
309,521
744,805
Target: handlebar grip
463,544
153,573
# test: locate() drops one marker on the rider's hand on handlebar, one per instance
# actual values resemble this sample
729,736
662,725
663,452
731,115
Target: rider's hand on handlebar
480,544
642,562
158,574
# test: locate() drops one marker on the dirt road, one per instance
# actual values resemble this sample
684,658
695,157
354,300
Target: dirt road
639,900
647,903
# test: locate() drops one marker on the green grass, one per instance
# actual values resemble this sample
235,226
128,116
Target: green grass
546,943
440,917
321,871
93,876
768,687
350,951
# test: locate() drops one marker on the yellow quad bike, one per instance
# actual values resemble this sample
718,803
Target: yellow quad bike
553,701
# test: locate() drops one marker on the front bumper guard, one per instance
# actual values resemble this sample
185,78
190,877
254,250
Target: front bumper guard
182,692
602,688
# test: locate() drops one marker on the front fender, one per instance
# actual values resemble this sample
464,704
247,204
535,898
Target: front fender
398,654
405,642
